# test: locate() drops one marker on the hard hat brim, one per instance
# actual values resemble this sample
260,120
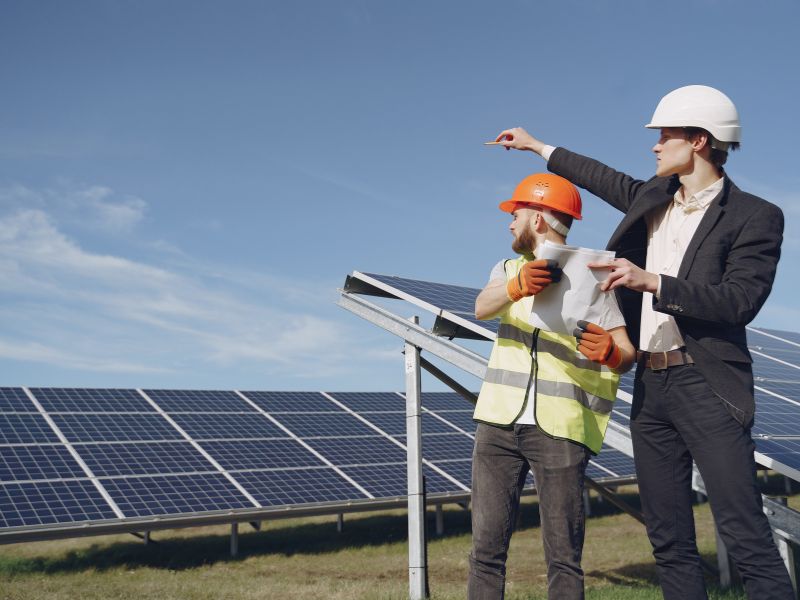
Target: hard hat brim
510,206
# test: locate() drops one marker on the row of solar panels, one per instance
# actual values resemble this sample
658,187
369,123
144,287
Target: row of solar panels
776,361
72,456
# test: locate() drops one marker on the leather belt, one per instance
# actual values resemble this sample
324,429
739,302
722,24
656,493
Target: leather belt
658,361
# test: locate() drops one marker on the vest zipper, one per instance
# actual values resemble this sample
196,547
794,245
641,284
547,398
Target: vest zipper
531,378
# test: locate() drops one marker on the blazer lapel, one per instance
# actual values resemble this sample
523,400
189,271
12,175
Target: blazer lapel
713,213
655,197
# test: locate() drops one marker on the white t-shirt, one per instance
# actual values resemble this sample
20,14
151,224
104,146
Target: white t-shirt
612,318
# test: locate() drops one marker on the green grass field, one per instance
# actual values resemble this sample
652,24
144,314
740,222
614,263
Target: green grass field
308,559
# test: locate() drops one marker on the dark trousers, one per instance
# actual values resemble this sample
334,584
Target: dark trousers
500,462
676,417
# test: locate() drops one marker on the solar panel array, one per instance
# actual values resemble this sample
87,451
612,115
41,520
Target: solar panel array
776,365
72,456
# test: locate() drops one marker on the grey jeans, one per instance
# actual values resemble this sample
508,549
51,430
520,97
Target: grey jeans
500,462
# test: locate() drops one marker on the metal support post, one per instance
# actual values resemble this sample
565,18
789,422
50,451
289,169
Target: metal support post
587,504
340,523
146,538
417,559
234,539
439,520
788,553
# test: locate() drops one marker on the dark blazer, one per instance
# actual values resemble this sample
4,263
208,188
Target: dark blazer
724,278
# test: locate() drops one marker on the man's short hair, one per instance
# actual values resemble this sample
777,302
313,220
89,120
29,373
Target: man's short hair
717,157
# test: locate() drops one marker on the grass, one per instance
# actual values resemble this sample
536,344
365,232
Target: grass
308,559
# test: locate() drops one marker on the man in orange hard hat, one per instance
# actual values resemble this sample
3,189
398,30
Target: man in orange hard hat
698,258
544,404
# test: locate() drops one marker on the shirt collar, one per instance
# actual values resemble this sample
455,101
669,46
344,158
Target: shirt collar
701,199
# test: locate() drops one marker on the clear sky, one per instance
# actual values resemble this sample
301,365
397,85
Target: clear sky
185,184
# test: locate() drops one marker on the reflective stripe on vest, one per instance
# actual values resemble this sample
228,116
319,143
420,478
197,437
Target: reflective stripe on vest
573,395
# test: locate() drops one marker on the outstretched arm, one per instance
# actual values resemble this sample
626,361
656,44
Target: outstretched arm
616,188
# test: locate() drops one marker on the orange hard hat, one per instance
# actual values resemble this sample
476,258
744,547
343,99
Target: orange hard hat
547,190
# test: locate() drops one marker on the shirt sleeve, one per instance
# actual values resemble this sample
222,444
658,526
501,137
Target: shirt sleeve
498,272
612,315
547,151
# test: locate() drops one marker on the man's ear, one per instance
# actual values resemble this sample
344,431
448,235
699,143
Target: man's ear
699,141
540,225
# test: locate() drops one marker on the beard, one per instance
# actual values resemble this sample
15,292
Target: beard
525,243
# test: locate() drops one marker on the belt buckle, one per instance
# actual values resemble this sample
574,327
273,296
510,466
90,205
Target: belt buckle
658,361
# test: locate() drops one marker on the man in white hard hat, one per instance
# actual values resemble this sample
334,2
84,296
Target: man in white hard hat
543,406
696,261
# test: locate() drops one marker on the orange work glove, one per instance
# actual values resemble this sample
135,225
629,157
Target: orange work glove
532,278
596,344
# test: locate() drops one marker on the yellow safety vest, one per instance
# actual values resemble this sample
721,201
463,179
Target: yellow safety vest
572,396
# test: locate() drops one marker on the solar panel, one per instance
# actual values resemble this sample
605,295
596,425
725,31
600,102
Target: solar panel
358,451
390,480
174,494
298,486
215,426
25,429
278,402
459,469
370,401
29,463
15,400
90,400
325,424
456,303
446,446
461,420
192,401
143,458
114,427
45,502
261,454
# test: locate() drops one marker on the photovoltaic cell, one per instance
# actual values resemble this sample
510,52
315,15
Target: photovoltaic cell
25,429
277,402
27,463
769,340
610,463
228,426
276,488
395,423
324,425
461,470
90,400
111,427
174,494
446,446
456,299
388,481
770,371
261,454
371,401
445,401
15,400
172,401
149,458
42,503
358,451
462,420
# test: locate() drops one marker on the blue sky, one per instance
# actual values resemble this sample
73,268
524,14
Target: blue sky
185,184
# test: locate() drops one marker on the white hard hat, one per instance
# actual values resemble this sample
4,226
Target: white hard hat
699,106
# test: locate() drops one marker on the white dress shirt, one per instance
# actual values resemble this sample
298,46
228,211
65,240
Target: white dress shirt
669,231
